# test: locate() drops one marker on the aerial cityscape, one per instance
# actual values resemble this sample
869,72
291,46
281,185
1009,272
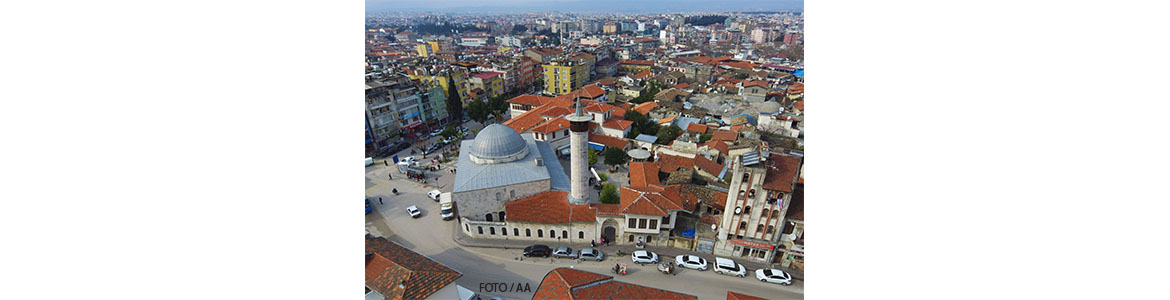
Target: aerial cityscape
568,154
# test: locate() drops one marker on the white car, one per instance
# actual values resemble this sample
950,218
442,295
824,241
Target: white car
413,211
644,257
774,276
691,261
436,132
729,267
434,194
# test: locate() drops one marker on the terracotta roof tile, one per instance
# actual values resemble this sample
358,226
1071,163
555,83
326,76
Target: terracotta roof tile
530,100
781,172
609,141
527,120
708,165
556,111
645,107
643,173
724,135
696,127
567,283
651,199
548,207
552,125
737,296
636,62
719,145
670,163
608,209
667,120
618,124
389,265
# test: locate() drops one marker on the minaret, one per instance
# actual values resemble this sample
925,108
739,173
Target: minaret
579,154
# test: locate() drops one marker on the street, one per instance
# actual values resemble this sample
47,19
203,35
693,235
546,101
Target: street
433,237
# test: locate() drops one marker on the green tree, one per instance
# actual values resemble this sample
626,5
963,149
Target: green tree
498,104
615,156
667,134
609,194
449,132
478,111
592,157
454,104
703,138
634,132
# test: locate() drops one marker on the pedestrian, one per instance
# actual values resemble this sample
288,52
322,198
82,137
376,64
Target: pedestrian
390,176
380,200
386,163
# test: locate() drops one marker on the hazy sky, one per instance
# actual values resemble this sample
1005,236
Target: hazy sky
633,6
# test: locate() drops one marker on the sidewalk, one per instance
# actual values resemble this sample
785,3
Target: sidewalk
664,253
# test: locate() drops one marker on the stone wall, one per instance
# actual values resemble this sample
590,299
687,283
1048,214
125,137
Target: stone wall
476,204
535,232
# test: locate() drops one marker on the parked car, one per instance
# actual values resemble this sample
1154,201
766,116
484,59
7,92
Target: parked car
368,207
729,267
644,257
413,211
774,276
591,254
436,132
691,261
537,250
434,195
564,252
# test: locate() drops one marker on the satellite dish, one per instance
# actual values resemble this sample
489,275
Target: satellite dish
713,227
737,210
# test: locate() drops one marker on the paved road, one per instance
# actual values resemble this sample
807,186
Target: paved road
432,236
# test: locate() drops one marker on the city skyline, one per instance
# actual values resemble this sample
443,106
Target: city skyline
609,6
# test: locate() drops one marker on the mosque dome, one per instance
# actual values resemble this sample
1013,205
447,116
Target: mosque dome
496,144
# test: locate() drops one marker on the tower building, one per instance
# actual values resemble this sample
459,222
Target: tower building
579,158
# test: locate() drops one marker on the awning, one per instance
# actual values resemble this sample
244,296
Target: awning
596,146
412,126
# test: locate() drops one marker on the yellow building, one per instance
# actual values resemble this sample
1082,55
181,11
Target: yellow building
562,77
461,84
491,83
425,50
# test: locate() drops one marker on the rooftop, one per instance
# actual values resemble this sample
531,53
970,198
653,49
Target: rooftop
568,283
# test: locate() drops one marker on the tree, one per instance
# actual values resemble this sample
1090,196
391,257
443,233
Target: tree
592,157
609,194
498,104
478,111
703,138
519,28
454,104
615,156
667,134
449,132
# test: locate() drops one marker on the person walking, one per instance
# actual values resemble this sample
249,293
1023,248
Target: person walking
390,176
386,163
380,201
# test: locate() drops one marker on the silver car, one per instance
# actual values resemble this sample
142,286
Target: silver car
413,211
564,252
644,257
591,254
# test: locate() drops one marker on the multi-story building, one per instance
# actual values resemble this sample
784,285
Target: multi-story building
634,66
442,78
764,35
433,105
610,27
381,122
791,37
564,76
426,50
492,83
757,199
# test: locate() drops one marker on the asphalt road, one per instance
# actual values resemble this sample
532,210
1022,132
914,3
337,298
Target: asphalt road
431,236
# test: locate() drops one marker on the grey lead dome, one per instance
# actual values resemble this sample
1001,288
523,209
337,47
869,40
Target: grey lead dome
496,142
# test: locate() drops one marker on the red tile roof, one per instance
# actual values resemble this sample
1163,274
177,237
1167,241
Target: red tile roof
670,163
645,107
573,284
654,200
681,85
486,75
696,127
667,120
737,296
530,100
781,172
618,124
399,273
641,75
556,111
799,105
708,165
548,207
527,120
759,83
643,173
610,209
609,141
718,145
549,126
724,135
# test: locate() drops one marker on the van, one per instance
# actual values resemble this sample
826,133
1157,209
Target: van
446,207
729,267
369,161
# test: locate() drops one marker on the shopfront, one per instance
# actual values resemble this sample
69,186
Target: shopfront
749,249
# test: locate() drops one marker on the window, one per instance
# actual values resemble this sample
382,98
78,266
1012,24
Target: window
648,239
747,210
565,233
492,230
501,216
552,234
480,229
770,229
499,196
539,233
742,225
764,214
516,231
653,224
513,194
666,219
631,238
504,231
776,213
466,228
488,217
581,234
642,223
759,227
527,232
633,223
